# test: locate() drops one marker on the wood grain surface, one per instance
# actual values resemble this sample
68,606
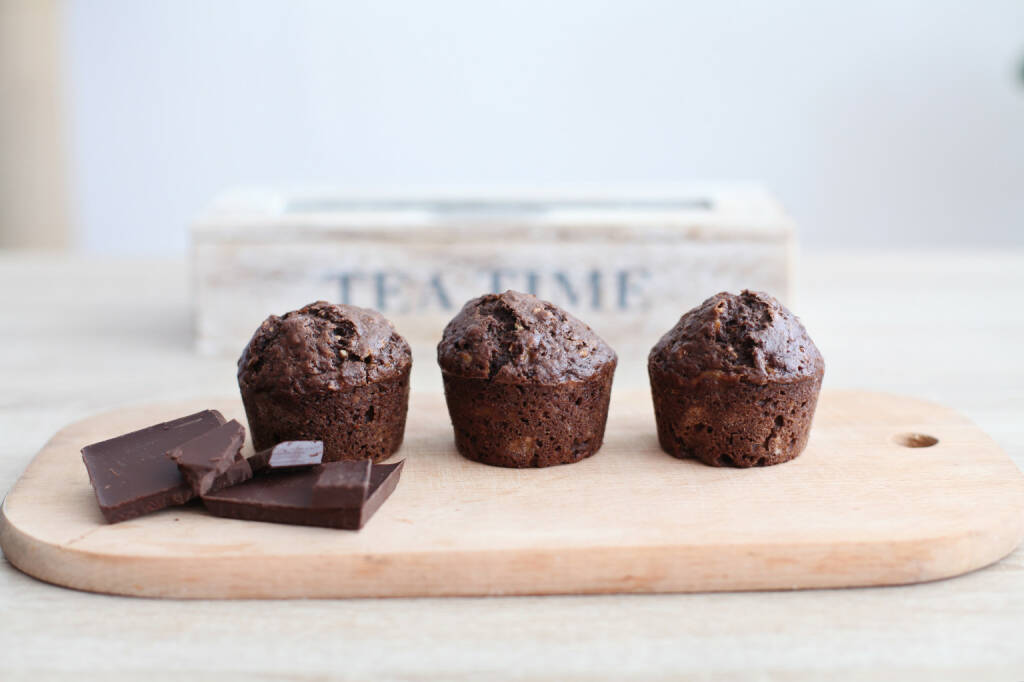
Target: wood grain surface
890,490
86,334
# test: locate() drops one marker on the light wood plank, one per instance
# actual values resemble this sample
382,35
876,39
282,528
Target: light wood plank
857,508
95,333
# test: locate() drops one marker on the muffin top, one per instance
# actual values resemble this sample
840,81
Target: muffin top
750,337
322,347
516,338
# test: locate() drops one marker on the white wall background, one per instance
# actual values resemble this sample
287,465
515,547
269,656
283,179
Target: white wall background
876,122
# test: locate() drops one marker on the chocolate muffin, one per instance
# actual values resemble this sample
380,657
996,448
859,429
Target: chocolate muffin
336,373
735,382
527,384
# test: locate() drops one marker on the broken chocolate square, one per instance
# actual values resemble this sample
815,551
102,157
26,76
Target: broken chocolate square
132,476
205,459
287,497
290,453
239,472
342,484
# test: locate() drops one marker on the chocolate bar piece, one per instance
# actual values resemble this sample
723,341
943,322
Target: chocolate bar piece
290,453
342,484
132,476
205,459
287,497
239,472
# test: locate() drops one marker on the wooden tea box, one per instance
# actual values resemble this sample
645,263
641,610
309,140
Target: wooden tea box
627,261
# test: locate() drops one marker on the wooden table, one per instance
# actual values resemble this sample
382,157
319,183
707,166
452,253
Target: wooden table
81,335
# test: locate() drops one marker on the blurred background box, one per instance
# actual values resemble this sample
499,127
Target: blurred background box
627,261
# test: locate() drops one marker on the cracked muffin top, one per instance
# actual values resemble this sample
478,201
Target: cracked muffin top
322,347
749,337
516,338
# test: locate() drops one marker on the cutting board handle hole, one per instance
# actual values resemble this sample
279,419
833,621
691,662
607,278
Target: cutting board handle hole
915,440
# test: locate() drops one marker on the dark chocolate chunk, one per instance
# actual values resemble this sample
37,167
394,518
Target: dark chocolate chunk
131,474
207,457
290,453
287,497
238,472
342,484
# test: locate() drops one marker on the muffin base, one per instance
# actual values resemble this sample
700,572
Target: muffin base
524,425
724,422
365,422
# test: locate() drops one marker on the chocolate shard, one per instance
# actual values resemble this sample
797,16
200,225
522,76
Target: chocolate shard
290,453
287,497
238,472
204,460
131,475
342,484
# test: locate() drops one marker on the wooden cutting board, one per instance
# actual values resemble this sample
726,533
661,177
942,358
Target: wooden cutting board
870,502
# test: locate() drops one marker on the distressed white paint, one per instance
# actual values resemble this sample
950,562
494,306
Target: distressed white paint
628,262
